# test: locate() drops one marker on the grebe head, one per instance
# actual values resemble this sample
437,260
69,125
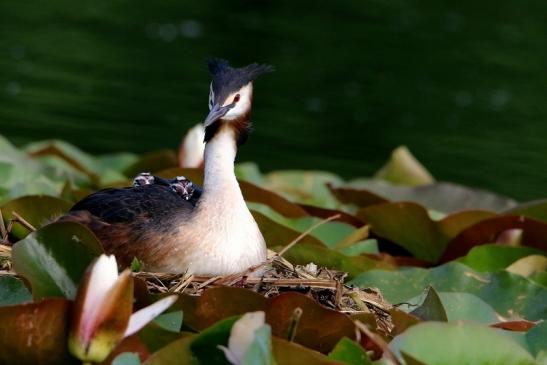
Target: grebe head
231,90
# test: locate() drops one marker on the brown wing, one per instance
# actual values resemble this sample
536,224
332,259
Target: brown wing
133,222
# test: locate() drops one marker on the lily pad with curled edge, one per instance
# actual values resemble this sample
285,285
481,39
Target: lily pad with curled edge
54,258
38,210
409,225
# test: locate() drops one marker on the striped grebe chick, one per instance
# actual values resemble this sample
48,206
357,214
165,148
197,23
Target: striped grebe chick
174,226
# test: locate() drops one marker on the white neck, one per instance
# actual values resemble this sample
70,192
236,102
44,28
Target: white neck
220,154
222,236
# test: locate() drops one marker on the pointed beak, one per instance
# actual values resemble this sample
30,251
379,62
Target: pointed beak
216,113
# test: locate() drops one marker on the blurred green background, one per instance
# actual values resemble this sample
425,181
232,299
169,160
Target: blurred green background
461,83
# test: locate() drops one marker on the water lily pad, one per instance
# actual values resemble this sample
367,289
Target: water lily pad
311,330
535,209
431,309
529,265
507,293
349,352
308,187
485,231
536,338
441,196
403,168
127,358
409,226
216,304
35,333
13,291
38,210
176,353
54,258
68,152
459,343
495,257
459,306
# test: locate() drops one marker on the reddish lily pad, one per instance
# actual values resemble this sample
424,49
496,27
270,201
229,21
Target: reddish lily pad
409,226
35,333
216,304
310,330
534,234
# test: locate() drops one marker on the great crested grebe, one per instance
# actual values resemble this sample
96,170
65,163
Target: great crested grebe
173,226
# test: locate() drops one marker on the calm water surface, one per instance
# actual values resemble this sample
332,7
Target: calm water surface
463,84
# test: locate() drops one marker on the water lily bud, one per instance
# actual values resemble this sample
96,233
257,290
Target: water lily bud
242,336
102,309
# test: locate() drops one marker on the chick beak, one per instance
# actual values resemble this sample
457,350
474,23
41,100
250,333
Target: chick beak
216,113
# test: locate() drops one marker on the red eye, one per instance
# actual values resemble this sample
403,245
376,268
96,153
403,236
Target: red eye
236,98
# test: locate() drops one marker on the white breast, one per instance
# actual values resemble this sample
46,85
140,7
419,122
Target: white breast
222,237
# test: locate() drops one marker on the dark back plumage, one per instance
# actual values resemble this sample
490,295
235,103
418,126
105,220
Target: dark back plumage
156,204
227,80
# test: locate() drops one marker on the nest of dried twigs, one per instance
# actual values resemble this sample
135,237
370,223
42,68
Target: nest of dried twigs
278,275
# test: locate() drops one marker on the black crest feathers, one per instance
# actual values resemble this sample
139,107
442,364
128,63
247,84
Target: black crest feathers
227,80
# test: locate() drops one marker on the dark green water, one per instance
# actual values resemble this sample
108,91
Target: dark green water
463,84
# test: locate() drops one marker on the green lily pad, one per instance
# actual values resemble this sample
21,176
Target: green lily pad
403,168
461,306
176,353
495,257
459,343
260,349
68,152
308,187
507,293
54,258
13,291
38,210
155,337
249,171
170,321
205,345
367,246
330,233
535,209
127,358
536,338
349,352
431,309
